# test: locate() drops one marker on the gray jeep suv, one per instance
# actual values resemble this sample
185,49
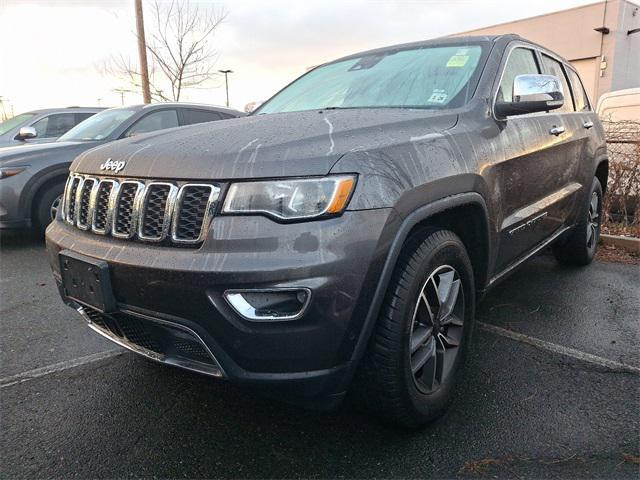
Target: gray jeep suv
342,234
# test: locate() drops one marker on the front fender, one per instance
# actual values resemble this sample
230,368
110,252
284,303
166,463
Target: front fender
31,188
399,237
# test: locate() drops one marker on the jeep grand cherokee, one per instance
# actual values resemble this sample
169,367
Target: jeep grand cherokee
340,236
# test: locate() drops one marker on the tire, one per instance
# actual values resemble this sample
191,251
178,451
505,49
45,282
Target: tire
45,206
581,246
386,382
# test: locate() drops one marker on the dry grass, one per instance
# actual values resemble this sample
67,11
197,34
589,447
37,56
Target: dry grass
621,209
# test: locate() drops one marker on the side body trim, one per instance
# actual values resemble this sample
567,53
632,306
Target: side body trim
539,206
527,256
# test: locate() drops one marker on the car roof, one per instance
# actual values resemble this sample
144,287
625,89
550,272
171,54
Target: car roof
444,41
64,109
202,106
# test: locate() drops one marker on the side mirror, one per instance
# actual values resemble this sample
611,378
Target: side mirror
532,93
26,132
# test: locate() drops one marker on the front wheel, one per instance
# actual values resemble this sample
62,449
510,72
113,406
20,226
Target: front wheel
417,350
47,204
582,244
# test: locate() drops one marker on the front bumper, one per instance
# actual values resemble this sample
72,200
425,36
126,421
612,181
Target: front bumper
12,212
338,260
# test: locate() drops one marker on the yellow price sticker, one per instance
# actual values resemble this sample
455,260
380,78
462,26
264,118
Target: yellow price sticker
457,61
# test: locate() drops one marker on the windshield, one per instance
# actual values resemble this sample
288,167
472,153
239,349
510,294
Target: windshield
427,77
14,122
98,126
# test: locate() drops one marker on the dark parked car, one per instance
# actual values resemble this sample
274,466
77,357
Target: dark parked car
32,178
344,232
41,126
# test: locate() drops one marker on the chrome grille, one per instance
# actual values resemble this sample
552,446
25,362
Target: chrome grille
149,211
156,206
82,203
192,214
70,199
101,219
125,209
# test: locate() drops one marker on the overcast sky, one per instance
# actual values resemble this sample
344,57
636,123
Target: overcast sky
52,53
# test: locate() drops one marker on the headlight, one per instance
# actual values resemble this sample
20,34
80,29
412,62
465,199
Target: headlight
10,171
291,199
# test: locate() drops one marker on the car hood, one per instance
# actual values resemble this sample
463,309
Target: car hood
24,154
274,145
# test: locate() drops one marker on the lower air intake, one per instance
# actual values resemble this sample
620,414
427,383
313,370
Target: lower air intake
157,339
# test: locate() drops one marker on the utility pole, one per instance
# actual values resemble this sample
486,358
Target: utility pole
226,82
121,91
142,53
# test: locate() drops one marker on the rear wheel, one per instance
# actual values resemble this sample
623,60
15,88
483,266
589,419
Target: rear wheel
582,244
47,204
417,350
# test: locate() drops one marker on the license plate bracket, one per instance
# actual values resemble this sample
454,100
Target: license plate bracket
86,280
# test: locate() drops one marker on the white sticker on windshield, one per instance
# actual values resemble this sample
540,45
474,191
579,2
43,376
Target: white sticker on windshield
438,96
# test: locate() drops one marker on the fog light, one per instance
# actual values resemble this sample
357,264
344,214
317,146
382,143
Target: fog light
271,305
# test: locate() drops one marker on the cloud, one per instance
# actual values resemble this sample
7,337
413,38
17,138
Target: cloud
266,43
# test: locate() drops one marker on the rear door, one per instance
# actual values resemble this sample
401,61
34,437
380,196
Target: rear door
578,121
593,135
534,176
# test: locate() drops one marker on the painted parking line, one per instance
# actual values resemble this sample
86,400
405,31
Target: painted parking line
560,349
58,367
519,337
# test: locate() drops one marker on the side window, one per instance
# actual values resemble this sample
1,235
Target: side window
154,121
192,116
522,61
580,96
81,117
553,67
52,126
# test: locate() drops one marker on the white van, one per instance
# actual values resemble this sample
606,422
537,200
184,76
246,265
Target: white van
620,106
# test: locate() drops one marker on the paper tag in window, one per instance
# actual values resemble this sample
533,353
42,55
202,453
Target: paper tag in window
457,61
438,96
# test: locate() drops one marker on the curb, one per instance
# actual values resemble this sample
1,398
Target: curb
630,244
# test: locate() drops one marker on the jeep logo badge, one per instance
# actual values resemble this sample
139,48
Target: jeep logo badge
111,165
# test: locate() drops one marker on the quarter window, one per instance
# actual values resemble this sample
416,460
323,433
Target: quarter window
154,121
580,96
522,61
553,67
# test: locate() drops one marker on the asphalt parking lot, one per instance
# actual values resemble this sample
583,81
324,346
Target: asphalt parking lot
559,398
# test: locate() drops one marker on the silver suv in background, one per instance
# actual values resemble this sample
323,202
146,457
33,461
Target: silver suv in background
40,126
32,177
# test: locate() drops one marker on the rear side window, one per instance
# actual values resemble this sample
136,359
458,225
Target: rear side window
192,116
522,61
579,95
52,126
553,67
80,117
154,121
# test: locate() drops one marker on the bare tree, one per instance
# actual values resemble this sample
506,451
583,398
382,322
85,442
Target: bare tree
180,49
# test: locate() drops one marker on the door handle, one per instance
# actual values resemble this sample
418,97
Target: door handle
588,124
556,130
